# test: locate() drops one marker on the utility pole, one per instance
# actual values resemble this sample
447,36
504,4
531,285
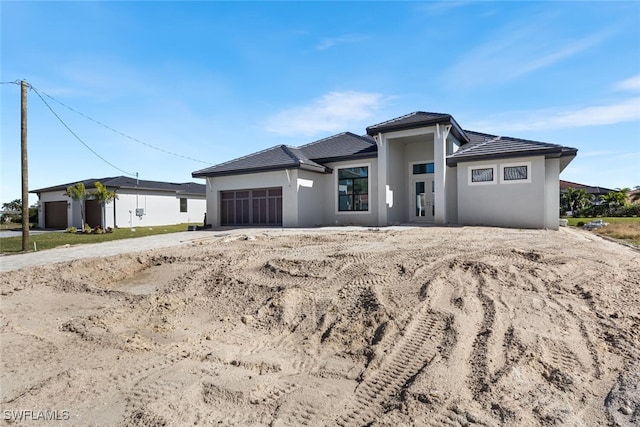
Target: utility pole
25,170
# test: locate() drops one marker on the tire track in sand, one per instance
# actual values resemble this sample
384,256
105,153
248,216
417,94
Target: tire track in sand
414,351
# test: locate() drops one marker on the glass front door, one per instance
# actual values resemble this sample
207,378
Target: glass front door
421,206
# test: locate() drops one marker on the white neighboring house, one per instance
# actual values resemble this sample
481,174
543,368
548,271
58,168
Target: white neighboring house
139,203
418,168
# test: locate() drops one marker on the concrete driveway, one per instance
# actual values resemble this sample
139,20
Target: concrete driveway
92,250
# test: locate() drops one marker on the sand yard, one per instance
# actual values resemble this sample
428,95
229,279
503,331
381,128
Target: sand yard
432,326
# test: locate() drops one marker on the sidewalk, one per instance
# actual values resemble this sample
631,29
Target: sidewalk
92,250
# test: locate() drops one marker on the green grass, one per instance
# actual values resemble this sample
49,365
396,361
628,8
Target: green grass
14,226
55,239
611,220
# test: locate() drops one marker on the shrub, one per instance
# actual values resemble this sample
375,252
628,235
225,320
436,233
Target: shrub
108,230
87,229
72,230
580,223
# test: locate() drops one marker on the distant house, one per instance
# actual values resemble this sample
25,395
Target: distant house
595,191
139,203
418,168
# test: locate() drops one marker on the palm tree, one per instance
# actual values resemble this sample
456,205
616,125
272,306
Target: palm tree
79,193
577,200
103,196
615,199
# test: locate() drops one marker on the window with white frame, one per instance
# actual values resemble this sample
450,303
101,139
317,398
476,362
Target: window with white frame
515,173
482,175
353,189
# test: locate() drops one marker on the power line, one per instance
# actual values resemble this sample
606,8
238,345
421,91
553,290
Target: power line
123,134
77,137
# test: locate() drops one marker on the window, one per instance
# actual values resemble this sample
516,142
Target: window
183,204
353,189
422,168
515,173
482,175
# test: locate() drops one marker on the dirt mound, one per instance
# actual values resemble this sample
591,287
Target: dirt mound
431,326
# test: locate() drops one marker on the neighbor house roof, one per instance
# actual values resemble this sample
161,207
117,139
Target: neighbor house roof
565,185
484,146
125,182
307,157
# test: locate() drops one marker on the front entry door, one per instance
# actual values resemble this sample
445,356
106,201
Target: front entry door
421,199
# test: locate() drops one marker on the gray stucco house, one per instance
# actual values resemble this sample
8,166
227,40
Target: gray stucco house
418,168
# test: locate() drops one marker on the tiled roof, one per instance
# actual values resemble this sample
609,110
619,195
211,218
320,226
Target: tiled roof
342,146
415,119
485,146
131,183
419,119
274,158
565,185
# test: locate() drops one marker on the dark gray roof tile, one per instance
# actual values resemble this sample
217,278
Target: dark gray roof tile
274,158
131,183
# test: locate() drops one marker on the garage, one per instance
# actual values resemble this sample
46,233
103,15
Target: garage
93,213
261,206
55,214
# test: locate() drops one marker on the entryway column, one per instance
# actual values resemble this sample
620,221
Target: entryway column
383,185
439,155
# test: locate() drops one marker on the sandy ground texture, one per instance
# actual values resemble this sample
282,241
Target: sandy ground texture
427,326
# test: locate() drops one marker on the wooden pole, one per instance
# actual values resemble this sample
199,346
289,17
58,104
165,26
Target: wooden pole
25,170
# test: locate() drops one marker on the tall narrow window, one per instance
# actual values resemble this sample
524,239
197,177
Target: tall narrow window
353,189
183,204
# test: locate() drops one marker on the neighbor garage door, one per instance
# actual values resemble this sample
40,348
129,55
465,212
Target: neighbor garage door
55,214
260,206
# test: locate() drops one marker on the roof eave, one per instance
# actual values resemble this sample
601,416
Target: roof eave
547,152
303,166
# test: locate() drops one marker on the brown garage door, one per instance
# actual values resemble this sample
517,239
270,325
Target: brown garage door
55,214
260,206
93,213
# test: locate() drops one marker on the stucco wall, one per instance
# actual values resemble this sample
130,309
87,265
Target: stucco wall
160,208
330,196
552,194
503,204
311,188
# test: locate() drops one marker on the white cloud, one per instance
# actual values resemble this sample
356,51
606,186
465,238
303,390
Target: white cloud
332,112
620,112
630,84
330,42
516,50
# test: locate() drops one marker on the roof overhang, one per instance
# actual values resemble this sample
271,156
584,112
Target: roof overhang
273,168
444,120
566,154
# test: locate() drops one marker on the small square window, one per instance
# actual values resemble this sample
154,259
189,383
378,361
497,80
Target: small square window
183,204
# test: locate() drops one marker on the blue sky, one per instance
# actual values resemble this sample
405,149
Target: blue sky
213,81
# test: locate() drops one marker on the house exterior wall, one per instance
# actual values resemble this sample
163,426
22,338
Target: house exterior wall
329,198
160,208
311,187
503,204
552,193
